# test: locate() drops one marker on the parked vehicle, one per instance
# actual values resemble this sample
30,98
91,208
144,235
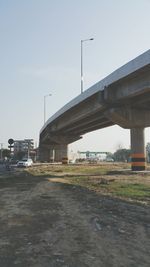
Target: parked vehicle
109,160
25,162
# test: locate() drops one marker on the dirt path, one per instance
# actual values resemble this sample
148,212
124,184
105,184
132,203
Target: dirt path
46,224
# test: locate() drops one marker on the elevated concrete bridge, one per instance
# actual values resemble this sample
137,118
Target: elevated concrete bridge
122,98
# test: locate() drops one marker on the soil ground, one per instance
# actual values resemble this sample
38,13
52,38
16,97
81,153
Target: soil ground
45,223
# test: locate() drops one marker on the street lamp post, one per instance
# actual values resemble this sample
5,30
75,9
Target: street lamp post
82,41
45,106
1,151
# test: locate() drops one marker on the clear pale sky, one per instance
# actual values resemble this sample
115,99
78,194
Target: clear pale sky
40,54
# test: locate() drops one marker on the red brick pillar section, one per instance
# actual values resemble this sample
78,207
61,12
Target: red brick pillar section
138,161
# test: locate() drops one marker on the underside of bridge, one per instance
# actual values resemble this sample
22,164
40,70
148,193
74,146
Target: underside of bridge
125,102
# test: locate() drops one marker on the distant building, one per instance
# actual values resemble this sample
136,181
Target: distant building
99,155
25,146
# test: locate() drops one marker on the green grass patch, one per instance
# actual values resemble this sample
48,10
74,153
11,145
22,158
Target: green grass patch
135,191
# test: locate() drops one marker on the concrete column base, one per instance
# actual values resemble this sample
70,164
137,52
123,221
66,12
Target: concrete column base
138,156
61,153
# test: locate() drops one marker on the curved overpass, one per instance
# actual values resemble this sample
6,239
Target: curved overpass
121,98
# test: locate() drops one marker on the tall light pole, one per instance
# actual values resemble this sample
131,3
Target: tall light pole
1,151
45,106
82,41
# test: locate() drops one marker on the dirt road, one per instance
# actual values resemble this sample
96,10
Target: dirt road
49,224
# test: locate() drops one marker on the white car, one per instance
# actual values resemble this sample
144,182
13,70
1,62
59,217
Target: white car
110,160
24,163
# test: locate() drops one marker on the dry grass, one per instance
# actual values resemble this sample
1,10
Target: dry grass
112,178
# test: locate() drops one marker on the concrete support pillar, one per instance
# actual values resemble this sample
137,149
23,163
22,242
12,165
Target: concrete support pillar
61,153
44,154
138,149
52,155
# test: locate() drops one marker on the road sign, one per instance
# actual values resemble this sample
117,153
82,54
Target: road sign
10,141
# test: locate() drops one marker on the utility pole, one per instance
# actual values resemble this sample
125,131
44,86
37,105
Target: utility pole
45,106
1,151
82,41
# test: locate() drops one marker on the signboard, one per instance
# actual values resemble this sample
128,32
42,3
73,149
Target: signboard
10,141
